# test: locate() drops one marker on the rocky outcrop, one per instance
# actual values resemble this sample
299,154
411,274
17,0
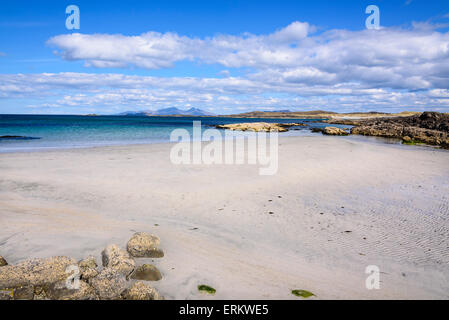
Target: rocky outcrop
259,126
109,284
334,131
147,272
88,268
35,272
118,259
62,278
3,262
430,128
146,245
141,291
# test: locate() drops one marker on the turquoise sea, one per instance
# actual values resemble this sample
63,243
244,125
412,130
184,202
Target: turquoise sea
41,132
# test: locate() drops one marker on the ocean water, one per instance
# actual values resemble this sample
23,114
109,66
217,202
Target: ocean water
43,132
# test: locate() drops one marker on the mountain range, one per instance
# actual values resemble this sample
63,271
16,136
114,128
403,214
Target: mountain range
168,112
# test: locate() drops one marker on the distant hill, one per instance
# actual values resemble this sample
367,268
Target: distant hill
173,111
317,114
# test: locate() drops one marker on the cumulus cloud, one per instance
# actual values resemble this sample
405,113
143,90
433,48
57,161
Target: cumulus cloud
295,67
116,92
390,57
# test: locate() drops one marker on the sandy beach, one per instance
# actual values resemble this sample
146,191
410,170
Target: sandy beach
335,206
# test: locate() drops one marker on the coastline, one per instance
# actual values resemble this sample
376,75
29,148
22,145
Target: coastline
76,201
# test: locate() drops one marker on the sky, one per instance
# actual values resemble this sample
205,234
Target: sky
223,56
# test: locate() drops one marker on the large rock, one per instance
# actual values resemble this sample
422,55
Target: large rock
147,272
334,131
3,262
59,291
118,259
143,244
88,268
259,126
109,284
141,291
35,272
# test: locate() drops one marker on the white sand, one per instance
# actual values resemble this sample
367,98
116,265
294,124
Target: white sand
75,202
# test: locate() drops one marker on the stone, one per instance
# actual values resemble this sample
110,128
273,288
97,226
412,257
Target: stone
147,272
118,259
35,272
259,126
143,244
3,262
141,291
88,268
334,131
24,293
109,284
59,291
6,295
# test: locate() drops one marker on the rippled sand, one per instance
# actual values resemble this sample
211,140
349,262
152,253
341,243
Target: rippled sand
337,205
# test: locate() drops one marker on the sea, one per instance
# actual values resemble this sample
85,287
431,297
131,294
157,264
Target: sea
22,133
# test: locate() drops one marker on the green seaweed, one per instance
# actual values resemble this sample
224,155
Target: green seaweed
207,289
302,293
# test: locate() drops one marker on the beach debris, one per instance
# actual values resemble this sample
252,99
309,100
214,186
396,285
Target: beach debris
88,268
118,259
141,291
146,272
109,284
206,289
3,262
143,244
302,293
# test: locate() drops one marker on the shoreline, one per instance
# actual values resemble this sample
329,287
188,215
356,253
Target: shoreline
75,202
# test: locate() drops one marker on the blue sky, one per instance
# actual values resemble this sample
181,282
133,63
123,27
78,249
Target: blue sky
223,56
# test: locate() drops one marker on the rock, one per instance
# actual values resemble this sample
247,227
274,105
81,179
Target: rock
109,284
59,291
118,259
6,295
141,291
259,126
24,293
406,139
430,127
88,268
35,272
334,131
3,262
143,244
147,272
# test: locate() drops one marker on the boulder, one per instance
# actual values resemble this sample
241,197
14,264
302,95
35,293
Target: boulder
6,295
143,244
118,259
147,272
24,293
35,272
59,291
109,284
141,291
88,268
3,262
334,131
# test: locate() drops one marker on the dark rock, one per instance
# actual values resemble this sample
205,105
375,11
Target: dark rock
24,293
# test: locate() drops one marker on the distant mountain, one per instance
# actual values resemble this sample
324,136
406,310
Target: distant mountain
175,111
135,113
168,112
